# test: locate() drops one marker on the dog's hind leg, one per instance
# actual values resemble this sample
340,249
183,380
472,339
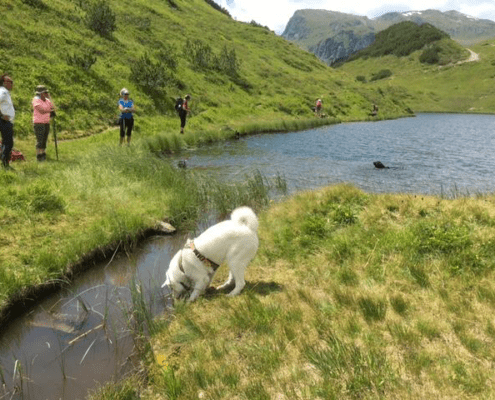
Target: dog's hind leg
229,282
239,285
238,277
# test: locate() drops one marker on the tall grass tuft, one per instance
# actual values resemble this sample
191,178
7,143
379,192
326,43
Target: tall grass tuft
347,370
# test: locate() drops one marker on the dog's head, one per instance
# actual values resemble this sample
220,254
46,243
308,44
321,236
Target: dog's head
176,281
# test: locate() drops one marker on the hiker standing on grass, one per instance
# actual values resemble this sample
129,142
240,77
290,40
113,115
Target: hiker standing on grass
7,115
42,113
126,120
318,106
374,111
184,109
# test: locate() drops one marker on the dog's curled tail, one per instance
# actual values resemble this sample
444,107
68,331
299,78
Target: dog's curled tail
245,216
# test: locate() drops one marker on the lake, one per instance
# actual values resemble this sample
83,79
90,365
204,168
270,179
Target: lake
429,154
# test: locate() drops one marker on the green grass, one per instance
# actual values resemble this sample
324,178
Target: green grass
378,306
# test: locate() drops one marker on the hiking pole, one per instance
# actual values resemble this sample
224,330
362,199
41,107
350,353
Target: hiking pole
55,133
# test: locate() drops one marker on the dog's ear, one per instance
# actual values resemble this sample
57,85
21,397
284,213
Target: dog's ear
167,282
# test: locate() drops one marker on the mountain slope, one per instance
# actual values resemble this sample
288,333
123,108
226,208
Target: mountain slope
233,70
404,38
456,87
333,36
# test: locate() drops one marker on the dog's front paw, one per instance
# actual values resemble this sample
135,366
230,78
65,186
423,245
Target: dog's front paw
210,290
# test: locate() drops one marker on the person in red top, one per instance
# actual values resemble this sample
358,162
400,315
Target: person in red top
42,109
318,107
183,112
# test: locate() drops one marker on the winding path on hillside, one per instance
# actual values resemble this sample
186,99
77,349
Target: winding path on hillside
473,57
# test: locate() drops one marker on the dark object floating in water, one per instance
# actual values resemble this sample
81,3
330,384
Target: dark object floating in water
378,164
182,164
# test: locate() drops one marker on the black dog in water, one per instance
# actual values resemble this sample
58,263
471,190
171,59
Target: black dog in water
378,164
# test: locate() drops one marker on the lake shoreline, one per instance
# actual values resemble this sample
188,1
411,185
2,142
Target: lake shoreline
20,302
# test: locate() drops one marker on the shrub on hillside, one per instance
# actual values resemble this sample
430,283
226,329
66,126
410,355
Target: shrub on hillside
430,55
100,18
83,60
168,56
443,52
202,57
361,78
199,53
35,4
217,7
384,73
228,62
148,73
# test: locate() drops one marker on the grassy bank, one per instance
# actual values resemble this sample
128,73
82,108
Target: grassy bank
351,295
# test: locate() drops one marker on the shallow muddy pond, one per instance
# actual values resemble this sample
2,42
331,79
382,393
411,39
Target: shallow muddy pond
79,338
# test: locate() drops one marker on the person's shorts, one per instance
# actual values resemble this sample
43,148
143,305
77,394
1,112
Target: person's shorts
126,125
41,132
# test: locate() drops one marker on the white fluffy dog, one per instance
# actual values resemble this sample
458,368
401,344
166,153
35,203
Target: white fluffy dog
233,241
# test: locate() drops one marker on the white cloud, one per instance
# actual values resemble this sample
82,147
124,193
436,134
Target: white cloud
276,13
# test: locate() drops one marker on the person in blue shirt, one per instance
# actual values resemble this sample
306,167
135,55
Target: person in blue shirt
126,120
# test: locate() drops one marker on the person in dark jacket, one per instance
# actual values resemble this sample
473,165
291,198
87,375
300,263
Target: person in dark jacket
184,110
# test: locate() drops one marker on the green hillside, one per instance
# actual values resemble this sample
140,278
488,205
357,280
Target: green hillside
158,51
464,85
401,40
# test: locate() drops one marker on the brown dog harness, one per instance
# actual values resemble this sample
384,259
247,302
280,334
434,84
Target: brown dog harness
202,258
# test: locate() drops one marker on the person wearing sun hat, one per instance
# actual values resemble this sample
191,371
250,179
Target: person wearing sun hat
42,112
126,120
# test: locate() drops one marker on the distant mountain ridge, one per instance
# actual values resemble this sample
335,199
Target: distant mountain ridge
333,36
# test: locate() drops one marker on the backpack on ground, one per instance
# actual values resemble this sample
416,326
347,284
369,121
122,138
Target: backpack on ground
15,155
178,104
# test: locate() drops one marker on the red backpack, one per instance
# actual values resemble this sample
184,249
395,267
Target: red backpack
16,155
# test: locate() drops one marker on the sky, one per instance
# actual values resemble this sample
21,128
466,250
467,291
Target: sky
276,13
